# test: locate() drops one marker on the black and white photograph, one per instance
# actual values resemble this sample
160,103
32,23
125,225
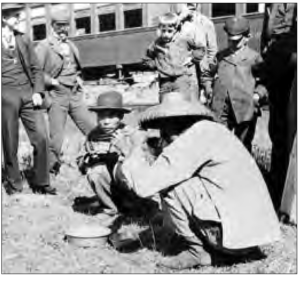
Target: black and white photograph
149,138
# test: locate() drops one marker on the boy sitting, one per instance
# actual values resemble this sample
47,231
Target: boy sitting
238,90
174,55
102,154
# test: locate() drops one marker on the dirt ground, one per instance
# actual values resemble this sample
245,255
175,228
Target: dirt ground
34,227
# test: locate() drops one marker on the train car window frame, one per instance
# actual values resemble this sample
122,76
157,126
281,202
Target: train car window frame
33,31
101,30
140,15
225,14
87,29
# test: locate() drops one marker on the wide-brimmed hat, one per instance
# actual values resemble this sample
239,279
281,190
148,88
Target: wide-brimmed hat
110,100
174,106
236,27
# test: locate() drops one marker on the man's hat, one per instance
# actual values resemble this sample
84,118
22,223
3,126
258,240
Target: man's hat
110,100
9,7
174,105
60,17
236,27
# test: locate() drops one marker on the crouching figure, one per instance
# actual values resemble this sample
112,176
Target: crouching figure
210,185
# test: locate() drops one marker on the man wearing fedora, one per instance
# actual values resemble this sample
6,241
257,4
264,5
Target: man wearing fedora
59,59
22,96
213,208
239,90
104,150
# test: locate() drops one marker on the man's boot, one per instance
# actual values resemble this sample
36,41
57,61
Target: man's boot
193,256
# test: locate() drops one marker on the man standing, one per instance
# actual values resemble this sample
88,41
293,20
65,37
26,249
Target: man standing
59,58
279,47
204,32
22,95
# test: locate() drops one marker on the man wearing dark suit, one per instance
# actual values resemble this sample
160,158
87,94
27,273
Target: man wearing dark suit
59,59
22,95
279,47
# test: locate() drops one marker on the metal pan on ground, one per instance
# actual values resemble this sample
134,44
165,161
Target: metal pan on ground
88,236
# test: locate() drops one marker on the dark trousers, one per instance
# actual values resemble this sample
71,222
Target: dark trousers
66,102
245,131
17,103
278,131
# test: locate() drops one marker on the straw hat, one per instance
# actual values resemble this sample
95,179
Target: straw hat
110,100
174,106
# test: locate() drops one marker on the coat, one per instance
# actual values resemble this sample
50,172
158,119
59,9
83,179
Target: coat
30,63
51,59
212,155
237,76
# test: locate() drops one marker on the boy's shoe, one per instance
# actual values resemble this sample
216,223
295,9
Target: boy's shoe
48,189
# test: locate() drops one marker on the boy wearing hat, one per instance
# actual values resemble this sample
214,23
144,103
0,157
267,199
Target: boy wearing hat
238,90
22,95
104,149
213,208
174,55
60,61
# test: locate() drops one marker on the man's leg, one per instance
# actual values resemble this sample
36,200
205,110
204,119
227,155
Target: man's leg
35,126
182,204
57,113
11,103
278,130
83,118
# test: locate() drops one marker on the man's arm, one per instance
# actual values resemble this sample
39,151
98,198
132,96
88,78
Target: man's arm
42,53
178,162
37,73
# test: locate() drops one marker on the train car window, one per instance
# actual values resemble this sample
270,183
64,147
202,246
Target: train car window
252,8
39,32
223,9
133,18
107,22
83,26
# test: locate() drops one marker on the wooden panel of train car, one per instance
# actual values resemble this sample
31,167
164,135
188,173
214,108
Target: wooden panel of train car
123,47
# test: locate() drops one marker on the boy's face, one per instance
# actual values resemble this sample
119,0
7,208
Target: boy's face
237,44
109,120
167,33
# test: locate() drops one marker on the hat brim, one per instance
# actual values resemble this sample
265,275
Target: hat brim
152,117
101,108
160,122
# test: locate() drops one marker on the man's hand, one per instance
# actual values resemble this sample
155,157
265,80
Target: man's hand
37,99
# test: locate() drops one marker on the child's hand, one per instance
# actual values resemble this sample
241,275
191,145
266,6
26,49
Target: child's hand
120,143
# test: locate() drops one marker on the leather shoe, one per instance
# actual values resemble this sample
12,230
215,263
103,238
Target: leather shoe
45,190
187,259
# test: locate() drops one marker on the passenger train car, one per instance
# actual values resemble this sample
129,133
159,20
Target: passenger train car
114,34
